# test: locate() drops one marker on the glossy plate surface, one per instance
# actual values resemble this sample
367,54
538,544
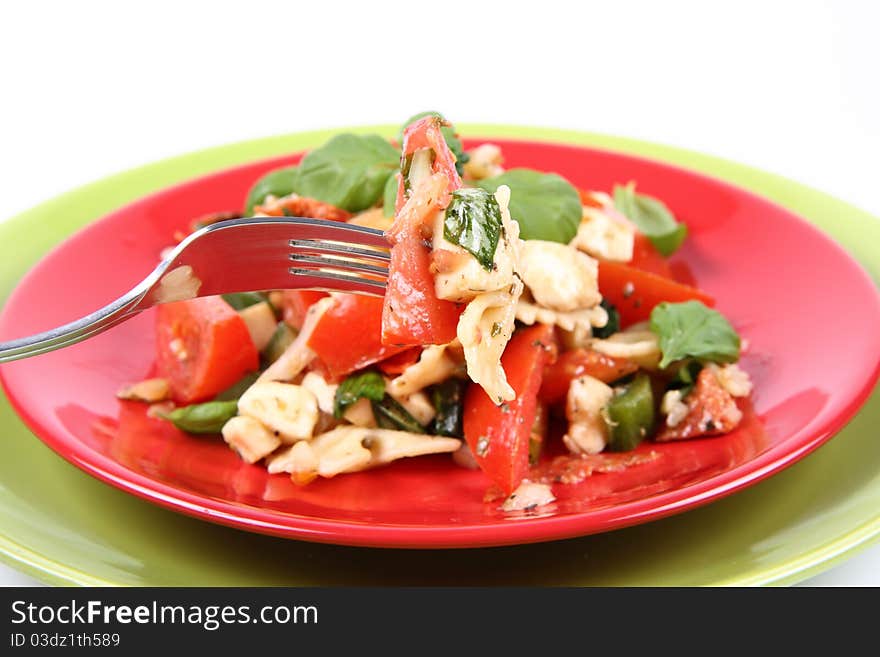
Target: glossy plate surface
811,412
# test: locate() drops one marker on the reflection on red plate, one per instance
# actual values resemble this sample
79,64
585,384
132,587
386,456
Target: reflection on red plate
783,284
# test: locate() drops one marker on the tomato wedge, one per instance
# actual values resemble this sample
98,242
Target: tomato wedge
572,364
499,435
346,337
635,292
296,303
203,347
412,314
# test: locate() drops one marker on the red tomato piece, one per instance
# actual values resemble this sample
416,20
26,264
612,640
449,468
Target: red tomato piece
413,315
203,347
635,292
647,258
296,303
499,435
347,337
572,364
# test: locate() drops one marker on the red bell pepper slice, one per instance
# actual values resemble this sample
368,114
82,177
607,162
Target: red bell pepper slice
499,435
579,362
635,292
412,314
203,346
346,337
647,258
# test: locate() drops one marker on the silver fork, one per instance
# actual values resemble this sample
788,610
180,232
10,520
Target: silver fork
239,255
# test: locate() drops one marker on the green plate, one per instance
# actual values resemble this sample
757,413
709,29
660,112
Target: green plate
63,527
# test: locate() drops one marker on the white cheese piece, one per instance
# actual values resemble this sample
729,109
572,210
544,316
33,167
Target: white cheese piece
587,428
733,379
289,410
559,277
529,495
249,438
485,162
604,236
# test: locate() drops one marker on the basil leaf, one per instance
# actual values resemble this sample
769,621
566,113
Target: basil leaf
389,196
546,206
651,217
691,330
368,384
203,418
613,325
473,221
279,182
448,400
242,300
390,414
349,171
452,140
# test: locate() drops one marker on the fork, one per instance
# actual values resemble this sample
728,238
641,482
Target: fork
237,255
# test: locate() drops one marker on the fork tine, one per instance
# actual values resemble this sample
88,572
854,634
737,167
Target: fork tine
321,247
337,282
318,262
318,229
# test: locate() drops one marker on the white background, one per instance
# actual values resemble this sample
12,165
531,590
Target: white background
88,89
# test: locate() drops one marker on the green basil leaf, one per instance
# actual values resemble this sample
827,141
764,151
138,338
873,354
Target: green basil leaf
546,205
203,418
242,300
367,384
390,414
389,196
448,400
691,330
613,325
279,182
452,140
473,221
349,171
651,217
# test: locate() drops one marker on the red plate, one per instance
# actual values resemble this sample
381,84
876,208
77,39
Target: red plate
809,314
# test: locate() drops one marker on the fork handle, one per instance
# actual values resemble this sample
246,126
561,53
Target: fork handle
76,331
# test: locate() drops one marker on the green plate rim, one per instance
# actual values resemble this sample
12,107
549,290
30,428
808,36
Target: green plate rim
114,191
